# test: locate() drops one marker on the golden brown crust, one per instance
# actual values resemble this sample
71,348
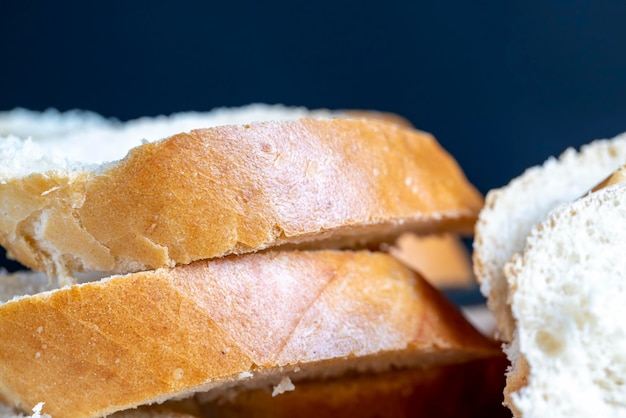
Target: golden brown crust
516,379
236,189
441,259
472,389
105,346
378,115
618,176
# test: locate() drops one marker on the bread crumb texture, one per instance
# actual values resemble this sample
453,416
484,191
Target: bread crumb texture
568,292
511,212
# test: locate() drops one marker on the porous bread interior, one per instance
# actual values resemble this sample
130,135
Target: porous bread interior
568,304
511,211
42,141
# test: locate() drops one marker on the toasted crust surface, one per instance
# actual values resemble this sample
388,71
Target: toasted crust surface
237,189
100,347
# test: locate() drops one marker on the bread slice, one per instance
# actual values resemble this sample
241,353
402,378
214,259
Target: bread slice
229,190
471,389
567,301
511,211
241,321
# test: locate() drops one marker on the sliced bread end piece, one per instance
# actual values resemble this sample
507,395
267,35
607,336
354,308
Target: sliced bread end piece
511,211
567,301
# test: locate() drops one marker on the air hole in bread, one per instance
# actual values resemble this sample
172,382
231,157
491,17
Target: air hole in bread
551,344
569,289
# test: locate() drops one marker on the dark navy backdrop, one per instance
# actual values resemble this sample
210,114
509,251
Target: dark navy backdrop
501,84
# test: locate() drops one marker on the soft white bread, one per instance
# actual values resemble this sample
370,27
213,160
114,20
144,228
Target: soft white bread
568,305
230,190
511,212
63,139
56,128
247,321
618,176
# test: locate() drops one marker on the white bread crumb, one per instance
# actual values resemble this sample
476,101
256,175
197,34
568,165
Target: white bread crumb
511,211
37,410
285,385
567,299
8,412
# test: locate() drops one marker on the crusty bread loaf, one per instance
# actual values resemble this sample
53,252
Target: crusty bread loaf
511,212
230,189
240,323
247,321
567,301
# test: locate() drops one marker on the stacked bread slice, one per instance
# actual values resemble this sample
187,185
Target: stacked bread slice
549,255
235,258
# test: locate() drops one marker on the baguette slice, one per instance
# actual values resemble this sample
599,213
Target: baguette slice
230,190
472,389
567,300
248,321
511,211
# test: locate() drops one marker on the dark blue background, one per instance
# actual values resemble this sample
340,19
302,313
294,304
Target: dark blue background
501,84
